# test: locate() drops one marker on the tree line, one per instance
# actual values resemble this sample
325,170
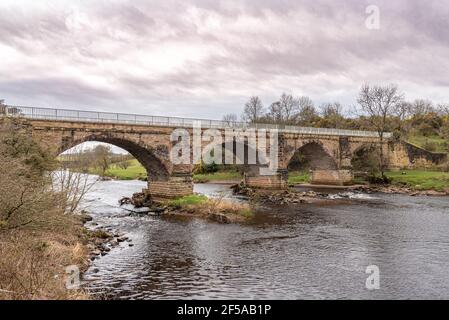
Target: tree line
379,108
99,158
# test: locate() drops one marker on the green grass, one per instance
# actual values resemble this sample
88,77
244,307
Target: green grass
191,200
134,171
421,180
245,212
433,143
417,179
203,206
217,176
296,177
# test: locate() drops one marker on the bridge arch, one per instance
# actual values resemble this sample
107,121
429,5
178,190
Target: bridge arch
312,155
365,158
157,168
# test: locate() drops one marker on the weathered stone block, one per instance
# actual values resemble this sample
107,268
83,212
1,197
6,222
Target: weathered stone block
332,177
277,181
176,186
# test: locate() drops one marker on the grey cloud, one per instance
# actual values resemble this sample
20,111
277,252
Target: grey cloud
313,47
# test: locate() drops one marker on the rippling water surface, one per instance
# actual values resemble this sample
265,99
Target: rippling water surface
287,252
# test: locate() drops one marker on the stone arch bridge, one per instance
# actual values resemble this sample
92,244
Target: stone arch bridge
148,139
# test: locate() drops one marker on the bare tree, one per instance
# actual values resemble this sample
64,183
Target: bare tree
444,109
332,113
102,155
421,107
72,187
307,113
2,106
123,163
284,111
379,103
275,113
230,118
403,110
254,110
331,109
289,108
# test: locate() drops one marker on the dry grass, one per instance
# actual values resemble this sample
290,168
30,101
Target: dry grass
227,207
33,265
208,207
38,241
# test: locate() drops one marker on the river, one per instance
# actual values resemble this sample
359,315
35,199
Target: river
302,251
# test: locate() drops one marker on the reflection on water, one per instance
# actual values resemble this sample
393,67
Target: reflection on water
287,252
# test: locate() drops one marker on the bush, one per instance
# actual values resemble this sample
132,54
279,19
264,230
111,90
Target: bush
37,240
430,146
203,168
375,179
367,159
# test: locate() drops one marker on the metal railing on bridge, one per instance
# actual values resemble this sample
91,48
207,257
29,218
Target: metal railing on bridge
124,118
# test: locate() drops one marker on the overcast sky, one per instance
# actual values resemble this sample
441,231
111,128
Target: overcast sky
205,58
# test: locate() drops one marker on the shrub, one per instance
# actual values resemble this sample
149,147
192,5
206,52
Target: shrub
430,146
203,168
376,179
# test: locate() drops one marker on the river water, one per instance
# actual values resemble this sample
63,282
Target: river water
301,251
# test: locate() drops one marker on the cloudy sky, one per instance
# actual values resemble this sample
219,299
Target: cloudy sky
205,58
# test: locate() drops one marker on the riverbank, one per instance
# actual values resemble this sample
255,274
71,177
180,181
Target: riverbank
196,205
420,180
416,180
404,181
43,243
45,261
215,209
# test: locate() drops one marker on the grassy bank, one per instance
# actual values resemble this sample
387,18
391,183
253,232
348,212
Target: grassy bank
420,180
431,143
217,176
417,179
36,261
134,171
298,177
213,208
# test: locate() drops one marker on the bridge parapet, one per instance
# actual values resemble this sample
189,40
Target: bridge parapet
148,120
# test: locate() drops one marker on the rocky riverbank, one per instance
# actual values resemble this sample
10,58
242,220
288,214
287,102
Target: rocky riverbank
286,197
213,209
401,190
292,197
101,239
